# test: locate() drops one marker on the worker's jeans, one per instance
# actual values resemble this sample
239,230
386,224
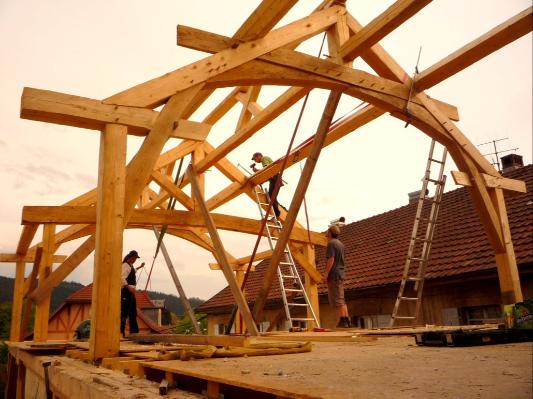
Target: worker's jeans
128,309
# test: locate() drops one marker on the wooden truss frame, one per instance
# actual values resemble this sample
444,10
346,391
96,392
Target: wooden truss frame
255,56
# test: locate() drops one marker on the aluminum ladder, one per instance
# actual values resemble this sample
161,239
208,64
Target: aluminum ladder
419,251
289,279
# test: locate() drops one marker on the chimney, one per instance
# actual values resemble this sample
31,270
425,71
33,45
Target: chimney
415,195
511,162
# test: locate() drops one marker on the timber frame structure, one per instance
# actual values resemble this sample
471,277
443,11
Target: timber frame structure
256,55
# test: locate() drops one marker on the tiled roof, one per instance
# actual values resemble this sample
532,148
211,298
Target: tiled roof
85,295
376,247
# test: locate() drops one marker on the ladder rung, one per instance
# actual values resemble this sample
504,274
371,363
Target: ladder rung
285,263
435,181
420,239
297,304
427,220
288,276
405,317
418,259
436,160
276,226
407,298
301,318
293,290
415,278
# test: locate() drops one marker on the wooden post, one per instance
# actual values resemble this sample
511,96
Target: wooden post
510,288
32,282
221,255
42,310
105,306
197,155
311,286
239,276
183,298
296,202
18,294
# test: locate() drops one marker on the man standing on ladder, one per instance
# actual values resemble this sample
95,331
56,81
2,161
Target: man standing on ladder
265,161
334,276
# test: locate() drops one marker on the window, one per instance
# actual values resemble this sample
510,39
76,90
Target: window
483,314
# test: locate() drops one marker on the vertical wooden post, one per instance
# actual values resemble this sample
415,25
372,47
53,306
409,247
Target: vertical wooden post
197,155
510,288
239,277
105,306
220,254
42,309
311,287
18,295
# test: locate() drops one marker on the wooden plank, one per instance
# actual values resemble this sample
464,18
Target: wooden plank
42,309
154,92
296,202
65,109
508,275
381,61
63,270
16,307
221,255
493,40
242,263
167,184
149,217
267,14
381,26
504,183
143,163
276,108
105,305
28,232
32,283
29,258
183,297
210,42
215,340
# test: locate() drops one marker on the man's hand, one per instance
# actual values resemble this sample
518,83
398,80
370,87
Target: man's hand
141,266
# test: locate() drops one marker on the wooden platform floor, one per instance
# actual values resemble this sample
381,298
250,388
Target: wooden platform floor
385,367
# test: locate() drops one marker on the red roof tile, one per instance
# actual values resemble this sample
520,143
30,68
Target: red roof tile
85,295
376,247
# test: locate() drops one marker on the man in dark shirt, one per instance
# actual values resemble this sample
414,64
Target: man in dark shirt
334,276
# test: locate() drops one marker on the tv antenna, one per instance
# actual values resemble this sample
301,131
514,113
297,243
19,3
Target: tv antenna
496,153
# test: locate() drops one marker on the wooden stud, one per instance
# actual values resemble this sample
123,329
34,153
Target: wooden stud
221,256
42,309
490,42
16,309
105,305
154,92
296,202
381,26
32,283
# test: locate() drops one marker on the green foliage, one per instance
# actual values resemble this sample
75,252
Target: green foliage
5,318
184,326
173,303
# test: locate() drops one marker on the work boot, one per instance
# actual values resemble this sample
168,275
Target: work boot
347,323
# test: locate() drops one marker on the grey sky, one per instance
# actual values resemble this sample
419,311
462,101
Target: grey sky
95,49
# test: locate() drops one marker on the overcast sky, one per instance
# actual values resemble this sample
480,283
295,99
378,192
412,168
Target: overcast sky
98,48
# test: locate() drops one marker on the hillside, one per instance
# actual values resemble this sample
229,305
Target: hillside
64,289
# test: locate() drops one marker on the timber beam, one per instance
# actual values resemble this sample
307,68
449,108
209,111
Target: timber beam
496,38
29,258
512,185
149,217
64,109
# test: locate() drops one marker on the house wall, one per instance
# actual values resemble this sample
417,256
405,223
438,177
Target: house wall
444,303
63,324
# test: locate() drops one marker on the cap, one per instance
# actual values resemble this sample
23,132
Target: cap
255,155
133,253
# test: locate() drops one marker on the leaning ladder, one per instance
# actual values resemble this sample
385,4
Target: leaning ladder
289,279
419,250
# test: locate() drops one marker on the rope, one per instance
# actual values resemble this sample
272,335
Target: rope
171,205
274,196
